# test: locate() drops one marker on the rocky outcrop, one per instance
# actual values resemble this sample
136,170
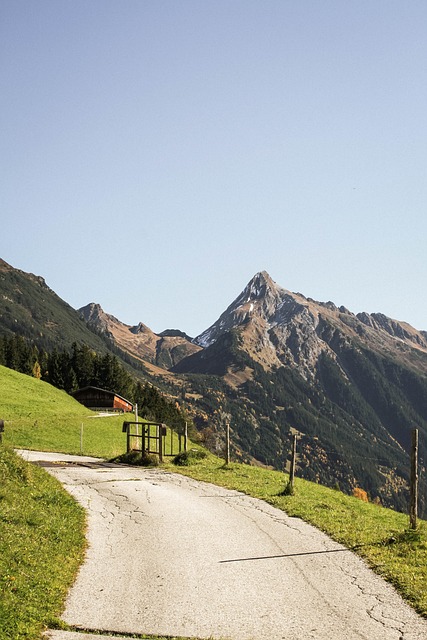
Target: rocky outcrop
164,350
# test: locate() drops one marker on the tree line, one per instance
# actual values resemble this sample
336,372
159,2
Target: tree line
83,367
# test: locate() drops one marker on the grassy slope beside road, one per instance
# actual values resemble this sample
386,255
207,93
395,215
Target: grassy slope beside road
42,547
38,416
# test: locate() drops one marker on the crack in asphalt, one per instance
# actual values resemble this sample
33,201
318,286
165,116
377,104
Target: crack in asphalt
377,612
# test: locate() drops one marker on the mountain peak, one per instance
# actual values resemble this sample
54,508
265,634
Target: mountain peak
260,284
95,316
91,311
260,297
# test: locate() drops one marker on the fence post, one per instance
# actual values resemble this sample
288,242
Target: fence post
227,444
186,436
136,418
160,432
293,461
413,507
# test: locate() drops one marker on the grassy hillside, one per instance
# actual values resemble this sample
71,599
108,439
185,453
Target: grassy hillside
38,416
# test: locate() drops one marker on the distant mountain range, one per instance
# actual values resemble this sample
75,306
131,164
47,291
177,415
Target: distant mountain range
352,386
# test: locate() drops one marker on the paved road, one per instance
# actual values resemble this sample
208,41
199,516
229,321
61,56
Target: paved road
171,556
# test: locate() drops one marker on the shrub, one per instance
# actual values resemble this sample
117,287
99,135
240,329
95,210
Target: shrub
361,494
139,459
186,458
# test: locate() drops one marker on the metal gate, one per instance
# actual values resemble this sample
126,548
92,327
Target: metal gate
153,437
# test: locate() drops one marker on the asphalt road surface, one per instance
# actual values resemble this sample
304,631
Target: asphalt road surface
171,556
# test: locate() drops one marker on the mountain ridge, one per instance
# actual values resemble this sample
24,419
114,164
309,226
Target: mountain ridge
269,316
164,350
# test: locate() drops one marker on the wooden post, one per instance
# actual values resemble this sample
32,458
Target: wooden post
227,443
185,436
293,461
160,432
136,418
128,439
413,507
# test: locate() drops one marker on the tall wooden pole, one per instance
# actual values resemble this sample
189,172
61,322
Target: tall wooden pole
413,507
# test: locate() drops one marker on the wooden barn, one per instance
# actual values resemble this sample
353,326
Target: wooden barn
95,398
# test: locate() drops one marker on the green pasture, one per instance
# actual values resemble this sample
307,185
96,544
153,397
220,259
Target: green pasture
38,416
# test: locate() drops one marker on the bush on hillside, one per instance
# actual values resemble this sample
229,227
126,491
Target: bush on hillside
187,458
139,459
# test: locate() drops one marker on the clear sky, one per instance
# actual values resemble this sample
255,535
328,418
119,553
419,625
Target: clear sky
156,154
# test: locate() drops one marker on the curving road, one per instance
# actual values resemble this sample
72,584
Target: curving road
171,556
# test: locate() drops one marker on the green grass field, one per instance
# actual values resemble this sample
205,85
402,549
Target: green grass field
42,547
34,508
38,416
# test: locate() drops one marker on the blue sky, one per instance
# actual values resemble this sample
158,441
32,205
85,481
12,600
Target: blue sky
156,154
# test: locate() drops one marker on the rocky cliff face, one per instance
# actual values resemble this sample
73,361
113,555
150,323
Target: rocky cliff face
164,350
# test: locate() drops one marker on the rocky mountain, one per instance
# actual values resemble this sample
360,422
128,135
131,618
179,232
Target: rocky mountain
279,328
354,386
165,350
276,362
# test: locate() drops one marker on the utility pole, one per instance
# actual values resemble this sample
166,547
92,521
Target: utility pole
413,506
